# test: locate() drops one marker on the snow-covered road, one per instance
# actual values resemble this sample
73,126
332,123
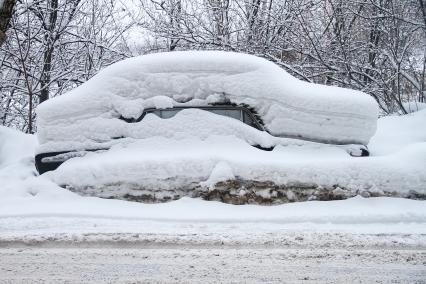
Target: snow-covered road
139,263
104,250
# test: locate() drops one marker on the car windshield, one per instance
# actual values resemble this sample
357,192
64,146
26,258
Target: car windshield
237,113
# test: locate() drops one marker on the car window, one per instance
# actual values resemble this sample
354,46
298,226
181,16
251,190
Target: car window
247,119
168,113
157,112
236,113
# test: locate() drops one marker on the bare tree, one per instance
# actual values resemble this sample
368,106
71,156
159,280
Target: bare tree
376,46
53,46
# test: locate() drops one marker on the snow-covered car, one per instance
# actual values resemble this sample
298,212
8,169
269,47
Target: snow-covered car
201,95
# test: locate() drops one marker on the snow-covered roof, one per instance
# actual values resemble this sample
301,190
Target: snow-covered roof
287,106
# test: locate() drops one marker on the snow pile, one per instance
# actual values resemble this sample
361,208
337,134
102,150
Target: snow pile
351,222
15,145
163,168
396,132
88,116
16,155
18,176
350,211
413,106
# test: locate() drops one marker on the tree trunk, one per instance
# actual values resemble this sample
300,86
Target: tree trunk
48,52
6,12
422,95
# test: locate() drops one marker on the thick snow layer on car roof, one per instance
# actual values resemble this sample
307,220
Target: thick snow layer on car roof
287,106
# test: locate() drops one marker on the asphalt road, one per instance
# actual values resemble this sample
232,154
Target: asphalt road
133,263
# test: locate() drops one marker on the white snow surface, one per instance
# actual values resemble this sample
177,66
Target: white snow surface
350,211
413,106
35,206
16,155
15,145
88,116
398,132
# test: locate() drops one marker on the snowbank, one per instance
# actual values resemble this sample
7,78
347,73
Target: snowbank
184,161
413,106
88,116
157,169
16,155
351,211
15,145
396,132
385,222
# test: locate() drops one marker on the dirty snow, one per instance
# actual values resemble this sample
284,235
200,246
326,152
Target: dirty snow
124,263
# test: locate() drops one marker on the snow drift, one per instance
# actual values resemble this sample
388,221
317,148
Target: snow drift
88,116
14,146
228,169
16,155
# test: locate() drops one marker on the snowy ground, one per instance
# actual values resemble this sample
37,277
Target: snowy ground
189,264
189,220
